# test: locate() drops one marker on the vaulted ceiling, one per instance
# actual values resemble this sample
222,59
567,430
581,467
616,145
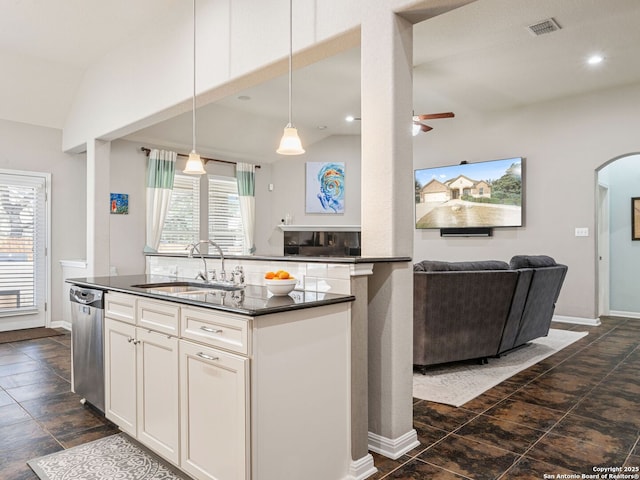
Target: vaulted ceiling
475,60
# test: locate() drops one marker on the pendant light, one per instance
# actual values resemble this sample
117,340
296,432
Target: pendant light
194,164
290,143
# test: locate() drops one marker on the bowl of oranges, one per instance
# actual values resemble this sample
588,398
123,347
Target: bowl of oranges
280,282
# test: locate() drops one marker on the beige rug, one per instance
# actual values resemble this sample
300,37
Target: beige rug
456,384
114,457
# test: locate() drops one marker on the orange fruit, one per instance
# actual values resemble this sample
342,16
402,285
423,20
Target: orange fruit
283,275
269,275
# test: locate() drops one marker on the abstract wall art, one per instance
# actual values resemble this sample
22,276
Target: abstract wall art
119,203
325,187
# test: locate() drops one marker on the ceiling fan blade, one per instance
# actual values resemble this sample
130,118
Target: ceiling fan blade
431,116
425,128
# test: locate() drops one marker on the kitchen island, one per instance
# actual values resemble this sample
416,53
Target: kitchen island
230,384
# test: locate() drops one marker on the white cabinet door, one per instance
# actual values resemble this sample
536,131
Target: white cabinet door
214,413
120,374
158,407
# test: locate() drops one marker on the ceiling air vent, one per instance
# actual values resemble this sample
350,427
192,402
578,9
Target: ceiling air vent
545,26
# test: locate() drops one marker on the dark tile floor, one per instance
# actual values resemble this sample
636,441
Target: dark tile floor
577,409
38,412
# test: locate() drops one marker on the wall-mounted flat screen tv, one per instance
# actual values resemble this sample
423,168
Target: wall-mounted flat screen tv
470,195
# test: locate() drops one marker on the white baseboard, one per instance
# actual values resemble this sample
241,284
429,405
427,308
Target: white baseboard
618,313
61,324
362,468
393,448
592,322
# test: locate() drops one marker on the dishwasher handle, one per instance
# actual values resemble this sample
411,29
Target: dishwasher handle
86,296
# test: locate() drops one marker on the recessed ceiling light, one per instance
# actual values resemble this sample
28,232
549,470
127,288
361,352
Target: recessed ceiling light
595,59
244,97
351,118
322,127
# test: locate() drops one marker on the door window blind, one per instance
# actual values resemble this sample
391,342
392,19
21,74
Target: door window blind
182,224
23,240
225,222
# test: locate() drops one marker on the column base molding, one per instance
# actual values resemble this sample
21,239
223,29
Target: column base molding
362,468
393,448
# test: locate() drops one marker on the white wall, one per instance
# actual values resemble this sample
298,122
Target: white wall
623,177
38,149
288,196
127,232
563,143
143,82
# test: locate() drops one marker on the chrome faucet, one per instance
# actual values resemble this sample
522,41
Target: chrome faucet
205,275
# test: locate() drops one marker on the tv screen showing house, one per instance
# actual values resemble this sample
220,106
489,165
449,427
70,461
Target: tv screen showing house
470,195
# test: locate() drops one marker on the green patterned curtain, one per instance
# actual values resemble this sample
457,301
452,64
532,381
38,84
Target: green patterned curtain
245,176
161,169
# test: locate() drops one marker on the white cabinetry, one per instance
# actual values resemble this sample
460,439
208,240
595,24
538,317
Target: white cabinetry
157,393
215,413
141,374
120,374
231,397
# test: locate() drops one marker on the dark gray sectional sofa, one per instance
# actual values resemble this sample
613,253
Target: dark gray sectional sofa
476,310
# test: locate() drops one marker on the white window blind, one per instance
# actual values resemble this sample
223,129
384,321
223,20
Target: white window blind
182,224
23,240
225,222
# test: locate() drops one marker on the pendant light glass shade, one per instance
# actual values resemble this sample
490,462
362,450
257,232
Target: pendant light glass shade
194,164
290,143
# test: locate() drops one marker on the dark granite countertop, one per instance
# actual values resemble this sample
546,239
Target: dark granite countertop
252,300
293,258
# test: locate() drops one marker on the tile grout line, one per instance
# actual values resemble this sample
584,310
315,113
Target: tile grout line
522,455
580,399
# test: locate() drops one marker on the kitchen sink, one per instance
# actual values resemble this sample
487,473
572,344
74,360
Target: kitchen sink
178,288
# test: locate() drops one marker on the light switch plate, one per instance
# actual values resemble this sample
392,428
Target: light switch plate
582,231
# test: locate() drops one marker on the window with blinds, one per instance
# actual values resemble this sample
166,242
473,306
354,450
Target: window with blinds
23,238
225,221
221,209
182,224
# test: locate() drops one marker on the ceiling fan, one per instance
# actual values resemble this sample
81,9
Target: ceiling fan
418,126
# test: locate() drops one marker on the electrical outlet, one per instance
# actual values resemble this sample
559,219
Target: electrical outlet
582,231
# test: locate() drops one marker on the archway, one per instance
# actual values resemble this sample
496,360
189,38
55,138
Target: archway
618,255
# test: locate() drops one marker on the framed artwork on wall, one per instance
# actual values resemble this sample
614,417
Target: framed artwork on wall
635,218
119,203
325,187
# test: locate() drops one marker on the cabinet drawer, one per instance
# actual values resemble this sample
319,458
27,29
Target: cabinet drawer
159,316
215,329
120,306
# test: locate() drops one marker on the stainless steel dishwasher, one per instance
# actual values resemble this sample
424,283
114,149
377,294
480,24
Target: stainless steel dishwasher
87,333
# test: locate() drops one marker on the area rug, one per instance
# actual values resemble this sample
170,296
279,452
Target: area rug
108,458
456,384
28,334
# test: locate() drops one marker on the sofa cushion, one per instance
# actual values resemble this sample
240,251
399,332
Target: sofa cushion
531,261
439,266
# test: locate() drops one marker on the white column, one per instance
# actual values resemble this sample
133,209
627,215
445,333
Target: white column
98,191
387,226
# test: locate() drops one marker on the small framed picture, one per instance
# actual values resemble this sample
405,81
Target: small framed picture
635,218
119,203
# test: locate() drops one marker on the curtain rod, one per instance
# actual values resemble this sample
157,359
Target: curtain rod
147,151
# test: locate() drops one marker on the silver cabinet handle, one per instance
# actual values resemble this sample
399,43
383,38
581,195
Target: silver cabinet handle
136,342
206,357
130,339
210,330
